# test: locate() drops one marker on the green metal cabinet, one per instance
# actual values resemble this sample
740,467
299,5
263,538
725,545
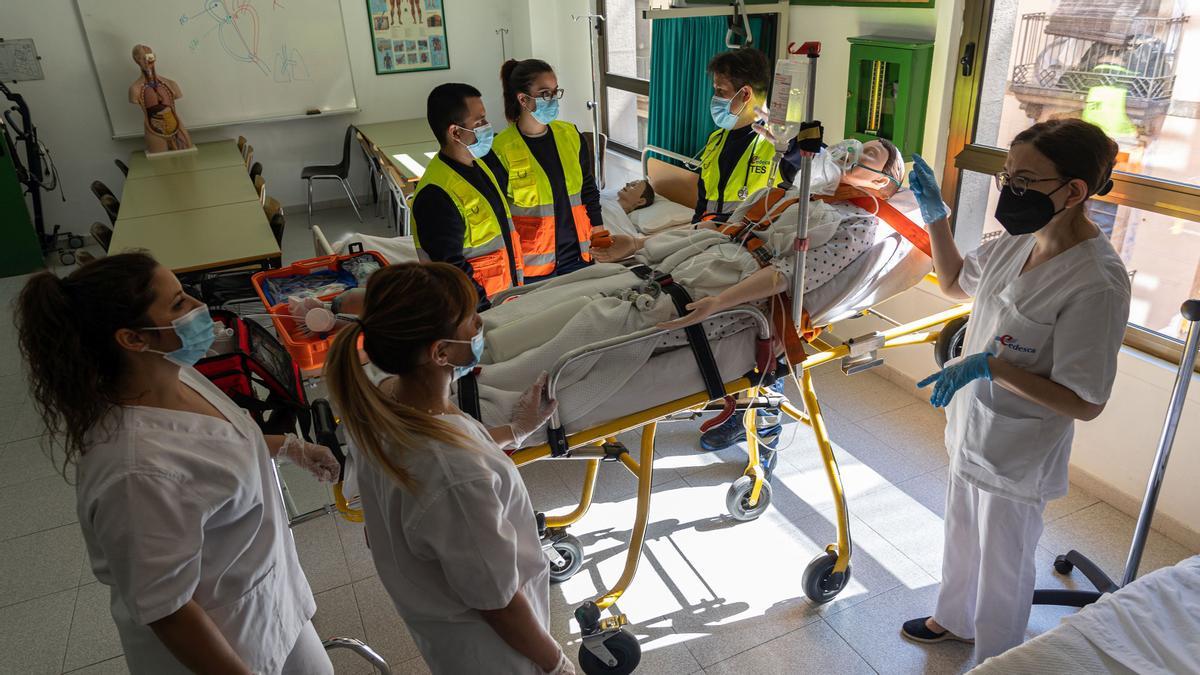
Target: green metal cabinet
19,250
888,90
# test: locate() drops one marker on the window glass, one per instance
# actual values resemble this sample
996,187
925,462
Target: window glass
628,115
627,38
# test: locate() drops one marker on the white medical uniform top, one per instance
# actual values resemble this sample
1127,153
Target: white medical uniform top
1064,320
466,540
178,506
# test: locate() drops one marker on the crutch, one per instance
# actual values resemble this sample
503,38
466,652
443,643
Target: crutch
1063,564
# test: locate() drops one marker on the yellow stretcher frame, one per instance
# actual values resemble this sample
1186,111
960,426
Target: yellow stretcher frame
588,444
594,444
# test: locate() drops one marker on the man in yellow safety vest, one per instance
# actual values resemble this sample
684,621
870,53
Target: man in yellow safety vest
459,209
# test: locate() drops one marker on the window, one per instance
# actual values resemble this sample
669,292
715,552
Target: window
625,73
1120,65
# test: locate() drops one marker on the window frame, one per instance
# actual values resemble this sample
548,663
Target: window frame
1139,191
625,83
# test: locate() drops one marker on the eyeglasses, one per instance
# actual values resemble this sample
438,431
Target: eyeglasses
1019,184
890,177
549,95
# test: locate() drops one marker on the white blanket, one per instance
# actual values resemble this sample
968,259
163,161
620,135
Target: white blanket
1151,626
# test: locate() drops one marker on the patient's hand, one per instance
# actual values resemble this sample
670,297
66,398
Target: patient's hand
698,311
622,247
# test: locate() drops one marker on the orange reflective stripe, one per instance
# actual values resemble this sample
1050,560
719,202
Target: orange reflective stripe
537,243
491,271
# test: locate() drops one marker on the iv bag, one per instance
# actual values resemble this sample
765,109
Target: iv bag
788,98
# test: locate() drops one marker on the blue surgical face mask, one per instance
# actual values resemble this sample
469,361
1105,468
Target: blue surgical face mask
476,343
545,111
483,140
196,333
722,116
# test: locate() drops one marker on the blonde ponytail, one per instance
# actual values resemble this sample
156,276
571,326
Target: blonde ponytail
382,427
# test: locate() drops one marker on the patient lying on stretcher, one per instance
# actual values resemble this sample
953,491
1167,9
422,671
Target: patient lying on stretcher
530,333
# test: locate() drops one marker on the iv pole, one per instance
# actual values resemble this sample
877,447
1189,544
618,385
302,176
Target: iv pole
800,246
594,21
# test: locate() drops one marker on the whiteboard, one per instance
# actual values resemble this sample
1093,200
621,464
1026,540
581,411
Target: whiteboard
235,60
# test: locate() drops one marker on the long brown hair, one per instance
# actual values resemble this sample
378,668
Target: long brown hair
407,307
515,78
66,332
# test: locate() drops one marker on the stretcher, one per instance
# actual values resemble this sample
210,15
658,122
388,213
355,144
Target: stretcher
891,266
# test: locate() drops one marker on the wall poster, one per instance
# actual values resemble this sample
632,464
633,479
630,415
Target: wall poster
408,35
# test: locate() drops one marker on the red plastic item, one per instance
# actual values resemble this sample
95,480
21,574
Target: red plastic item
308,351
601,238
810,49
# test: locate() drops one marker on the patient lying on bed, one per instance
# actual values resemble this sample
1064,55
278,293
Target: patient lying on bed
533,331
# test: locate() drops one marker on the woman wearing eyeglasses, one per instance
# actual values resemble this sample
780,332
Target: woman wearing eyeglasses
1051,303
551,187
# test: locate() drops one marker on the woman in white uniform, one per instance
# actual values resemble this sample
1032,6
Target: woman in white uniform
177,498
452,531
1051,303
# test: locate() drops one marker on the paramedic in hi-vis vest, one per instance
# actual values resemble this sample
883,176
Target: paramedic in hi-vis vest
551,187
459,208
736,161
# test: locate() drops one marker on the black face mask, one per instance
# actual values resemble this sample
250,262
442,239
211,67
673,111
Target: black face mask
1027,213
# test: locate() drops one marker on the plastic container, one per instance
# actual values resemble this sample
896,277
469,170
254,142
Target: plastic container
307,350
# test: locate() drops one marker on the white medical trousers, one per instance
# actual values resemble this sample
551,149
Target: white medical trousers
988,569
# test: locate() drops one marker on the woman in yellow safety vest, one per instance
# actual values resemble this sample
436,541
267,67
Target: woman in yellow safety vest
551,190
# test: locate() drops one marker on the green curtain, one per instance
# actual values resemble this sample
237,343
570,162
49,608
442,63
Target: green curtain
680,88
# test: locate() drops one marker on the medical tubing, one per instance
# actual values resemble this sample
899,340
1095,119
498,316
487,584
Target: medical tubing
801,243
1191,311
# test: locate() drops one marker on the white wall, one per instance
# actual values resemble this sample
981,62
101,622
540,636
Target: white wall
70,115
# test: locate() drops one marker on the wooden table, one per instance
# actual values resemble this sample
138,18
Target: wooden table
213,155
155,195
411,159
397,132
217,237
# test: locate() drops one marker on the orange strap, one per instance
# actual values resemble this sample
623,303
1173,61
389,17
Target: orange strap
915,234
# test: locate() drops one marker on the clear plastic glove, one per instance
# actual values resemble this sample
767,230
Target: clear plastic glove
925,188
532,410
955,376
564,667
315,459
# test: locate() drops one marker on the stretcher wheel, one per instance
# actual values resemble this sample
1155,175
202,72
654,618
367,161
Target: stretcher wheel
737,499
820,583
571,551
1062,565
75,241
625,649
950,341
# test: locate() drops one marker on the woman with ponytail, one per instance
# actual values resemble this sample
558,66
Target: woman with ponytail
451,527
177,496
551,188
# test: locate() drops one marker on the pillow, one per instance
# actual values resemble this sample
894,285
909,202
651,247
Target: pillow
660,215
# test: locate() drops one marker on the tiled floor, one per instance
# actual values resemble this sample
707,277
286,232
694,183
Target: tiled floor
711,595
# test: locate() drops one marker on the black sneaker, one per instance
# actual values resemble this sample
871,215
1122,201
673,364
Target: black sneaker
733,430
917,630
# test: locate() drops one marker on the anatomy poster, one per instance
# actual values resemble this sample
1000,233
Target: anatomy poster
408,35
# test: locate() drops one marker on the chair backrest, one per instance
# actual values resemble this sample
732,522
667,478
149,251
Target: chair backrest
272,207
100,190
112,207
242,145
102,234
343,167
277,224
122,166
260,186
256,170
249,155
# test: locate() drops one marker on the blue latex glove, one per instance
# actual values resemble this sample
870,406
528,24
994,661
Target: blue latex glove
925,188
950,379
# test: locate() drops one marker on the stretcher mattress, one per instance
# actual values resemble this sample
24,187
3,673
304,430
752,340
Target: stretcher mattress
889,267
